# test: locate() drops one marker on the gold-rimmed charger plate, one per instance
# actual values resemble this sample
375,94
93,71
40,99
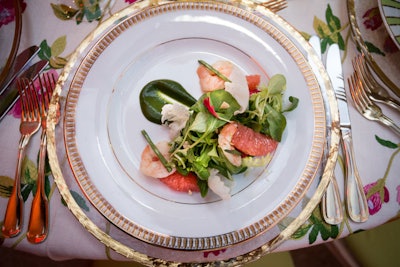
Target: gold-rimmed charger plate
315,153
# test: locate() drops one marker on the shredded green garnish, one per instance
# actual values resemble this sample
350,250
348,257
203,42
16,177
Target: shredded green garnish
156,151
216,72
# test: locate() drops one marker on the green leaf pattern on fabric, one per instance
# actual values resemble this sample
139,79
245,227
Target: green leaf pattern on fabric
329,31
28,183
81,201
52,53
83,9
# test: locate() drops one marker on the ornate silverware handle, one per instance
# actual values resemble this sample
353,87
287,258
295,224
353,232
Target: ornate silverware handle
331,205
356,201
389,122
13,217
393,103
39,217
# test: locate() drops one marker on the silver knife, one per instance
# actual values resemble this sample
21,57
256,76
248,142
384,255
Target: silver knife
356,202
10,95
331,204
20,63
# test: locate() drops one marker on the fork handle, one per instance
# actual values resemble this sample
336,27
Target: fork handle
394,103
389,122
356,202
13,217
331,204
39,216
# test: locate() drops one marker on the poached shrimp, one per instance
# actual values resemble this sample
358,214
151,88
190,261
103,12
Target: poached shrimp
151,165
225,143
209,81
237,84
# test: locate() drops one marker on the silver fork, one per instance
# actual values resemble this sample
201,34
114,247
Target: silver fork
38,220
30,123
374,90
365,106
275,5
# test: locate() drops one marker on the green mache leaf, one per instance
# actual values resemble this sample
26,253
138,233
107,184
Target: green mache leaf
201,171
294,103
203,186
386,143
276,123
200,122
276,85
219,97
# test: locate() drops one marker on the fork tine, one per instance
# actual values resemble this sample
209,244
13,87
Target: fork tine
352,85
29,101
46,89
360,66
276,5
33,101
362,90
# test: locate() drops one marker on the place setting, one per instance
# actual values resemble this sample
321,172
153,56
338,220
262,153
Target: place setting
161,192
110,177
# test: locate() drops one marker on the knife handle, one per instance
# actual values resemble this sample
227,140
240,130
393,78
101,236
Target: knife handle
356,201
39,217
331,205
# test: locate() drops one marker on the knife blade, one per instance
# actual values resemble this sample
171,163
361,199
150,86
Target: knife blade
20,63
356,202
331,204
10,95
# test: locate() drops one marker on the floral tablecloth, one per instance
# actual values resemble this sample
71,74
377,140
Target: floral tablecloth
58,33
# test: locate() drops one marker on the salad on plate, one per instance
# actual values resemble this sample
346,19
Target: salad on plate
236,124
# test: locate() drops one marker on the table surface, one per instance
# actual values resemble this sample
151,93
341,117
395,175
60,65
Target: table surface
376,147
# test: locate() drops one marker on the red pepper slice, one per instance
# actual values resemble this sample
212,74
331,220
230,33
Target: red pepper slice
210,108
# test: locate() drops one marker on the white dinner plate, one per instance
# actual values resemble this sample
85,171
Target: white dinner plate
103,123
